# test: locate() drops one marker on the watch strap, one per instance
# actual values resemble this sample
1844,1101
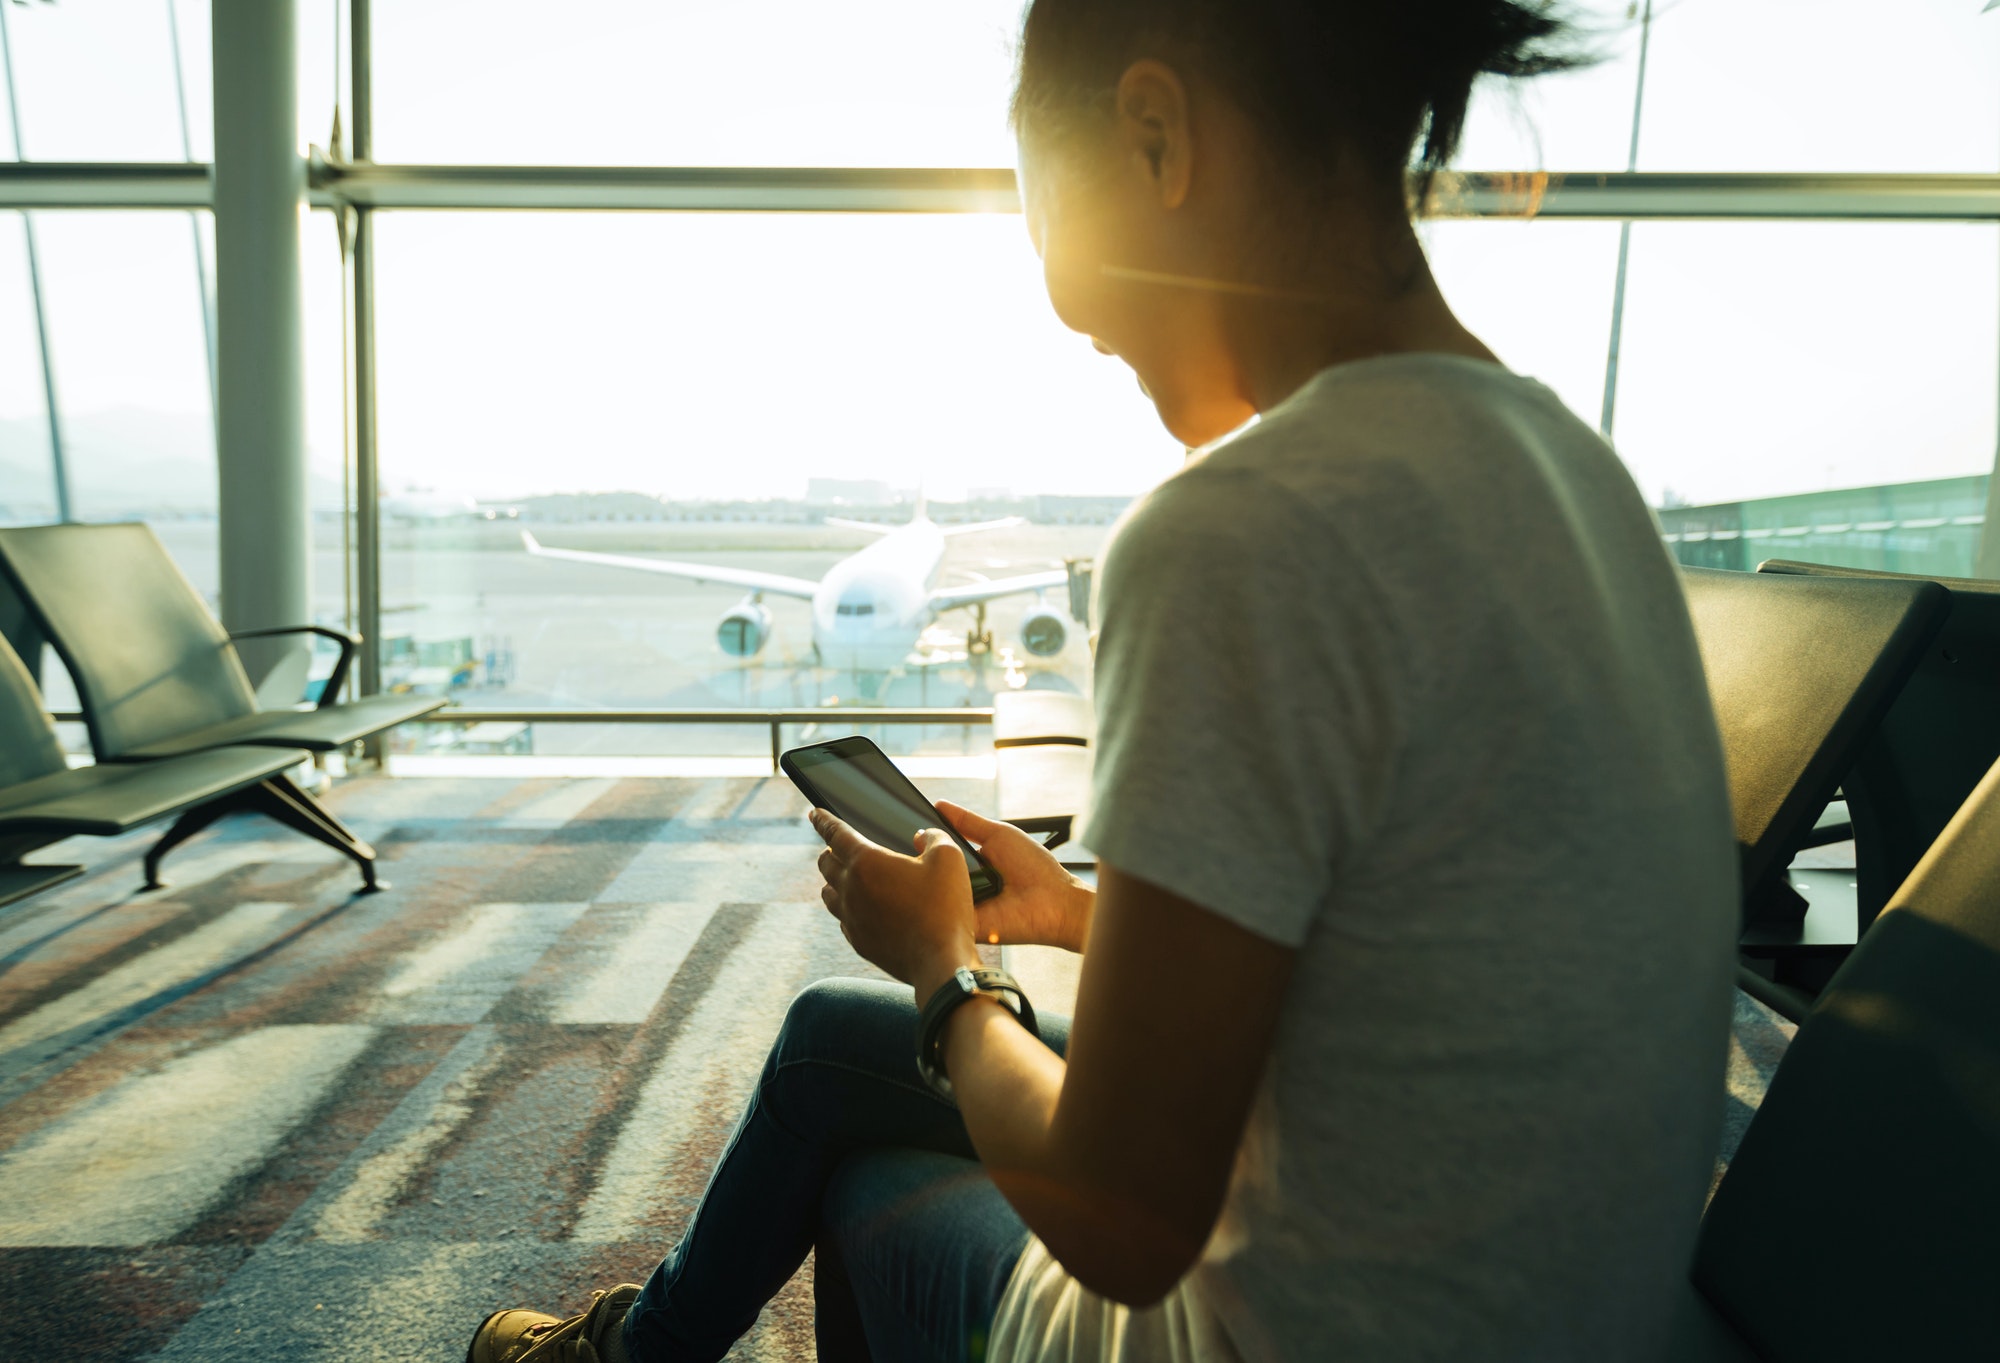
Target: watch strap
966,982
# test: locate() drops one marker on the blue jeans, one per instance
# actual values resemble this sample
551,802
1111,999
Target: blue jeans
842,1150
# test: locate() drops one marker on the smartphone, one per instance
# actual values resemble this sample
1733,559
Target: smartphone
855,781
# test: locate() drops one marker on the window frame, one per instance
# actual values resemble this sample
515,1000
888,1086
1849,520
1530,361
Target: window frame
346,180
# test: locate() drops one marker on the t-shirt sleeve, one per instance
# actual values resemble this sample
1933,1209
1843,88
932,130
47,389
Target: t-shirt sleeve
1246,681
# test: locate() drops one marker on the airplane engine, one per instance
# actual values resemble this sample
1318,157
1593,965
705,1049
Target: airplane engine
1043,632
744,630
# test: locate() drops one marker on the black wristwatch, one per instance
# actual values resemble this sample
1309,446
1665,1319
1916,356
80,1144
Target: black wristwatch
965,983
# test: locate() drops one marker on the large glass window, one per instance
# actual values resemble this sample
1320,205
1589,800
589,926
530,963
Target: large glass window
130,359
1825,391
97,82
1760,85
711,389
122,299
1834,85
1763,359
1538,293
1576,120
27,477
773,393
131,80
747,82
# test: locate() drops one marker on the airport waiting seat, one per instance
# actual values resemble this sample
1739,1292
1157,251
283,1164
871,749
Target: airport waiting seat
1042,760
159,678
1026,719
43,801
1800,671
1857,1220
1934,745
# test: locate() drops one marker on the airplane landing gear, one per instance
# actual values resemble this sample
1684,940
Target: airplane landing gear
979,639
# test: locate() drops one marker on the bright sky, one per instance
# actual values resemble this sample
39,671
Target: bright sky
712,355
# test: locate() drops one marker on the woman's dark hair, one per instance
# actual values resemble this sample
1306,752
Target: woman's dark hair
1385,80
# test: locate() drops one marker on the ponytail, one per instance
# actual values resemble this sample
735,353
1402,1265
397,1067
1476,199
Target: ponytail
1389,81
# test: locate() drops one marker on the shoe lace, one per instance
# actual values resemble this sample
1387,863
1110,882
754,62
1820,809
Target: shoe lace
562,1341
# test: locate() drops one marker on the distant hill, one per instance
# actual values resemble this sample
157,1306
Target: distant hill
122,463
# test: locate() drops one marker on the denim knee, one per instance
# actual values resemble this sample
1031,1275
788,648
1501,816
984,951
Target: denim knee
845,1021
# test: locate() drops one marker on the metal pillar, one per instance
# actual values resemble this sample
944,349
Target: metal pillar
194,219
1608,416
361,304
1986,557
59,464
266,537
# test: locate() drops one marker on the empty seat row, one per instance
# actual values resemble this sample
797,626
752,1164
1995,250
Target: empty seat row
174,723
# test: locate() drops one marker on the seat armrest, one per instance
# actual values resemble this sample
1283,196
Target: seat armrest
1058,826
329,694
1787,1002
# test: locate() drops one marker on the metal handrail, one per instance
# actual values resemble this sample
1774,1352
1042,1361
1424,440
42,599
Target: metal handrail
821,714
1642,195
775,719
970,716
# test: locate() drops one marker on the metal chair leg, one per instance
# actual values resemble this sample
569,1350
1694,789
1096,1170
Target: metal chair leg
281,799
276,798
186,826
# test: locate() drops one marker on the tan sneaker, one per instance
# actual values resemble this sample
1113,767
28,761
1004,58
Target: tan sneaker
518,1336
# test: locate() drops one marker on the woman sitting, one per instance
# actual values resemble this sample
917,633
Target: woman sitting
1406,983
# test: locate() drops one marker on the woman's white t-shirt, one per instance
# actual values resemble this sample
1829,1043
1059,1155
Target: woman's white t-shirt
1402,677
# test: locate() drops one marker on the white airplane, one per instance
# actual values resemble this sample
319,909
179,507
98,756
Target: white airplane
871,607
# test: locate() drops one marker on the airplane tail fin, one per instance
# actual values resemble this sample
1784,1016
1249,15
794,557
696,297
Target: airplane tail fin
530,543
923,510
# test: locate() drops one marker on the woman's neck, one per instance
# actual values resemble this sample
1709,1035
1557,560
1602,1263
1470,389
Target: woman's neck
1280,337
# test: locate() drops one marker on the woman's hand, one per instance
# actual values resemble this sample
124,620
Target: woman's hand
910,915
1040,904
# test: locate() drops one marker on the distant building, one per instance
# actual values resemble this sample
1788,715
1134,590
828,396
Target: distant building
849,492
1930,528
1054,510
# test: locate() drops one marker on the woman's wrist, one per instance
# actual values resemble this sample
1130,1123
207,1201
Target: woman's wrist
1073,926
932,976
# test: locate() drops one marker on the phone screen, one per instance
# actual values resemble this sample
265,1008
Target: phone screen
858,783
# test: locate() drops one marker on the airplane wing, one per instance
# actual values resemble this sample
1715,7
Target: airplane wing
870,526
945,598
775,583
1004,523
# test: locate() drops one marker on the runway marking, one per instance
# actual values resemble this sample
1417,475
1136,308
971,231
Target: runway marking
459,977
400,1148
714,1062
141,1162
643,963
557,807
209,946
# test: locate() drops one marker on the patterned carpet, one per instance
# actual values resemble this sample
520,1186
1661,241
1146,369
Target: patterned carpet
254,1116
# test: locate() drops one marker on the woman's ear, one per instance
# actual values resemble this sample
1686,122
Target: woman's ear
1153,121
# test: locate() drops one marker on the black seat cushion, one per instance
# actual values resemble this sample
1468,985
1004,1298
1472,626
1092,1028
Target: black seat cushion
315,730
114,798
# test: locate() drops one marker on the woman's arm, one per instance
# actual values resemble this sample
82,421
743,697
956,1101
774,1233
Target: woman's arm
1118,1160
